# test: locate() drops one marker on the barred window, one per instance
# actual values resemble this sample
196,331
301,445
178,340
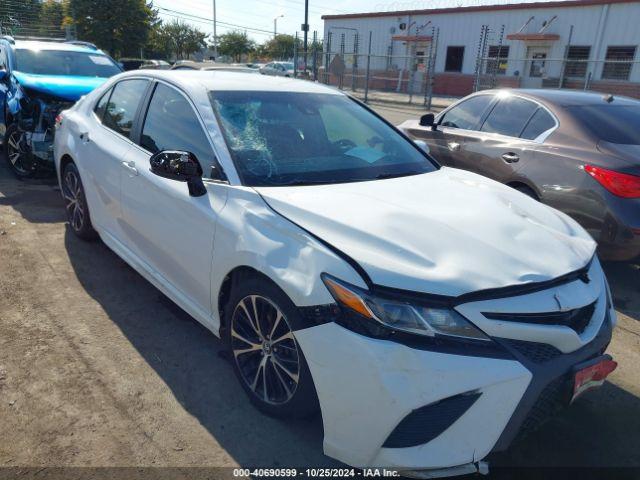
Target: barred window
453,60
497,60
619,64
577,61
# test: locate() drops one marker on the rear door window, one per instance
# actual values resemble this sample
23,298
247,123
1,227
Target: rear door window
539,123
467,114
121,109
509,116
101,106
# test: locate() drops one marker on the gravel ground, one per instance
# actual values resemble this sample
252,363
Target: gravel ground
99,369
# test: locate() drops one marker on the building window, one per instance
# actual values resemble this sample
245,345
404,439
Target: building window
497,60
453,62
577,61
619,62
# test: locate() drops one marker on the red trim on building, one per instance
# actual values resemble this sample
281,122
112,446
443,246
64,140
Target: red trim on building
412,38
533,36
480,8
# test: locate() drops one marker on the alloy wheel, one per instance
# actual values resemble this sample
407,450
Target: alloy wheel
72,192
265,350
15,152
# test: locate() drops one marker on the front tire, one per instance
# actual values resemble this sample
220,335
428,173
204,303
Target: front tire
17,153
76,203
266,357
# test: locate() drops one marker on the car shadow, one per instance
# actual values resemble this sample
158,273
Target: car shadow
190,361
32,198
624,280
591,433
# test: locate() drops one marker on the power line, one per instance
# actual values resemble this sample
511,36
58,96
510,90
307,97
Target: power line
196,18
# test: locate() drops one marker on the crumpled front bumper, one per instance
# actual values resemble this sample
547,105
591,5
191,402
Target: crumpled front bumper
367,386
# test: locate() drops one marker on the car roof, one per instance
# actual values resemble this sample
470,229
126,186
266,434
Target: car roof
59,46
566,97
223,80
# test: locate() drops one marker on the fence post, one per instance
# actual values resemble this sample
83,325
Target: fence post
327,58
430,68
366,77
295,57
341,81
566,56
354,63
314,58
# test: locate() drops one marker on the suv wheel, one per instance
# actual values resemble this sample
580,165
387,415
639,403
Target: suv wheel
265,354
17,153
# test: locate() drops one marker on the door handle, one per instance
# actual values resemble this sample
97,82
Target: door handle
453,146
510,157
130,167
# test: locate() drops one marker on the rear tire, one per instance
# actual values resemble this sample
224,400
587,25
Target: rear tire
266,357
17,153
76,203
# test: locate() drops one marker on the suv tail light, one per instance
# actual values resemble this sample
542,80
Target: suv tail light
620,184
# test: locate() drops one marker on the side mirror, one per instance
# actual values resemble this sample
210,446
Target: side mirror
3,74
427,120
180,166
422,145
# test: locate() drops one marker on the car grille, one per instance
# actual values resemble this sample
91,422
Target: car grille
553,398
576,319
536,352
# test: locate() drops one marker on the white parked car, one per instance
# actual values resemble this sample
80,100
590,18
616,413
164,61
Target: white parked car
278,69
429,313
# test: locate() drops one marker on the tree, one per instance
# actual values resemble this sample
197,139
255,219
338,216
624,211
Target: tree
177,38
119,26
280,47
53,17
235,44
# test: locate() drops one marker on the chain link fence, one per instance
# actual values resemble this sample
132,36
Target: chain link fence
37,20
405,72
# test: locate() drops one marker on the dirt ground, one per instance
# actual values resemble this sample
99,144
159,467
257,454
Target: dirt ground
99,369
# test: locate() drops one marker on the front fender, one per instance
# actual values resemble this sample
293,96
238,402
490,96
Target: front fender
251,234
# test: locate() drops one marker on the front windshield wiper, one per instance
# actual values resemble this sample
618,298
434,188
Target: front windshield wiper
384,175
298,182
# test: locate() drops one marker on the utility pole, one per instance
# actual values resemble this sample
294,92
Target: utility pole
275,25
305,29
215,33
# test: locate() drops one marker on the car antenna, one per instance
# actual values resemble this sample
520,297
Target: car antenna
608,98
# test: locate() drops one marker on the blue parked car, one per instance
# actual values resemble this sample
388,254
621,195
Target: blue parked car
37,81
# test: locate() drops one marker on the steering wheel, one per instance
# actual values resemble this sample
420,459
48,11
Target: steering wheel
344,144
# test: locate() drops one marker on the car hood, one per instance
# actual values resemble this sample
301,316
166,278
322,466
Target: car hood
61,86
448,232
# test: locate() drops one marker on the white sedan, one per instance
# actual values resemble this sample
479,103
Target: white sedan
278,69
430,314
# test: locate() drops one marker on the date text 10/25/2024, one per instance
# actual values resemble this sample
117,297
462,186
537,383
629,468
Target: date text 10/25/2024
315,472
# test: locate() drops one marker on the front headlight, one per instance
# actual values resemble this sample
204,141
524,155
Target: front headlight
401,315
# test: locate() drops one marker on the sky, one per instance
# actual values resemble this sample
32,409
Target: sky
256,16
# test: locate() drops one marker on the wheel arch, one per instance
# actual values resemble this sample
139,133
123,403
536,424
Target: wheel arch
231,279
517,184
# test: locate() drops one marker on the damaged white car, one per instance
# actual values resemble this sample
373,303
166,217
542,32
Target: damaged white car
430,314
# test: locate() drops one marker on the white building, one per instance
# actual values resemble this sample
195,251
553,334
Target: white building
592,42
